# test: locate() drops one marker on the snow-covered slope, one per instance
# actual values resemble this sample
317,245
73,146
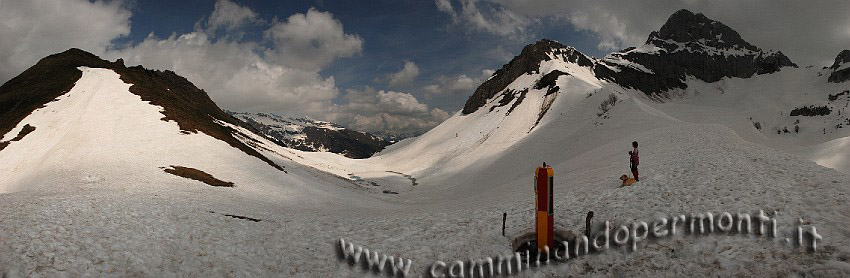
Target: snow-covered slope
102,133
698,130
314,136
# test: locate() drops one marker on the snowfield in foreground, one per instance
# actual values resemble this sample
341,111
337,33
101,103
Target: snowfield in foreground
180,227
88,197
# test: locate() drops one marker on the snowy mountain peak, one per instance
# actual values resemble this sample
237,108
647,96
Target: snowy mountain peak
842,59
840,68
529,61
51,77
696,33
93,111
687,27
689,45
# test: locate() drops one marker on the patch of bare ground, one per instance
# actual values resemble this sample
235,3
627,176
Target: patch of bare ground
198,175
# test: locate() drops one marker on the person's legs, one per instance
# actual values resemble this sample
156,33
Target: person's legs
635,173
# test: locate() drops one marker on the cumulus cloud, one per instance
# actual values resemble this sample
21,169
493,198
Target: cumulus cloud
786,25
32,29
457,85
488,17
234,75
311,41
281,75
230,16
379,110
405,76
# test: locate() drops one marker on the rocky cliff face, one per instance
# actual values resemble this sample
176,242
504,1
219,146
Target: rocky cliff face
841,68
689,44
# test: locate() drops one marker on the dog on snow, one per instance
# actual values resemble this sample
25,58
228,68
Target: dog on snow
627,180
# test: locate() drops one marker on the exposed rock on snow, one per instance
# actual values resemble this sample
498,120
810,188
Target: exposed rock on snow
526,62
48,79
841,68
24,131
198,175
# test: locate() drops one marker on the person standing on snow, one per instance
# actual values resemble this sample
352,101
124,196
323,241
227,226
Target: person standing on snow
634,160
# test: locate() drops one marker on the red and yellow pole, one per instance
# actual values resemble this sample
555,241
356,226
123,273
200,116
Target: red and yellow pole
544,218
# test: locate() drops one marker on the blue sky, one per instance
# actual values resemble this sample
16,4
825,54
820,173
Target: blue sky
400,66
392,31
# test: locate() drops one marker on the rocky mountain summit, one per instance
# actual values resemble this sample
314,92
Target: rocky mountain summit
841,68
527,62
688,44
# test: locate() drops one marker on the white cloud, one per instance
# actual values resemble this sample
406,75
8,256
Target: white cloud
281,76
373,110
457,85
446,7
33,29
439,115
400,102
311,41
234,75
490,18
230,16
405,76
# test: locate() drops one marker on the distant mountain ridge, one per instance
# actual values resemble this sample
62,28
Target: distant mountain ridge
688,44
314,136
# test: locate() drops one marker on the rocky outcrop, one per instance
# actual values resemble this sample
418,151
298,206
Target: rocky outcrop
840,68
690,44
528,61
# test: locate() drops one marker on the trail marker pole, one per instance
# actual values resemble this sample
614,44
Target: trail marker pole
544,218
504,218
